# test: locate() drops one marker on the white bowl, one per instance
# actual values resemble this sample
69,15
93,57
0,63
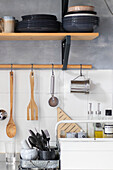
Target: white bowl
71,15
29,154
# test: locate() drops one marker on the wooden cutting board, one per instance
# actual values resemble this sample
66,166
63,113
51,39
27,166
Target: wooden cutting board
67,127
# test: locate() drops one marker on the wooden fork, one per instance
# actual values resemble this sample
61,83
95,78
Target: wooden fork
32,105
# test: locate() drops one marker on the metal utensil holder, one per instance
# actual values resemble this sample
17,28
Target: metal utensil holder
39,164
79,85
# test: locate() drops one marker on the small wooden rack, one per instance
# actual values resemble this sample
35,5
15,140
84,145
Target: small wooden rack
41,66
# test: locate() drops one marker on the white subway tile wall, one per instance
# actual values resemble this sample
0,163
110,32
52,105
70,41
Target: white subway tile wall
75,105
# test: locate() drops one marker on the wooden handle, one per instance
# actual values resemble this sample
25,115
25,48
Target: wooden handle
32,94
32,84
11,94
1,25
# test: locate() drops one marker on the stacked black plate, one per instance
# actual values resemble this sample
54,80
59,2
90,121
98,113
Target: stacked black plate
38,23
80,21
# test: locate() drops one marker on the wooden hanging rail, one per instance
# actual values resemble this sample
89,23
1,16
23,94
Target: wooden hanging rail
41,66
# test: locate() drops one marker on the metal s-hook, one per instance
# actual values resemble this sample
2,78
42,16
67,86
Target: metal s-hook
11,69
32,69
80,69
52,69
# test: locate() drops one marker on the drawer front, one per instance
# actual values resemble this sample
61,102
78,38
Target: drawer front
87,156
86,160
82,146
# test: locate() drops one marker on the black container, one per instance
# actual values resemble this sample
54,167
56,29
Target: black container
79,27
47,155
82,12
39,16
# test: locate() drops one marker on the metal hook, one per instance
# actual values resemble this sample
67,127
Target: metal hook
52,69
80,69
32,69
11,69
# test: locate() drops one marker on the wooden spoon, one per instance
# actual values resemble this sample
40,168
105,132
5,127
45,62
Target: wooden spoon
11,127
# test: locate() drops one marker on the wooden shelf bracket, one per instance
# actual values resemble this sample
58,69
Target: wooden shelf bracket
65,51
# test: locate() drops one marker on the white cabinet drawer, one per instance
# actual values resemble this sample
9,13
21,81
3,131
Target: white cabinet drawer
86,155
87,146
86,160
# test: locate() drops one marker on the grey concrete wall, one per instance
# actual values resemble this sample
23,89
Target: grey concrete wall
98,52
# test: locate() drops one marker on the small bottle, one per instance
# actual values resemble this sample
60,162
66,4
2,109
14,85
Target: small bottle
108,127
90,125
62,134
98,130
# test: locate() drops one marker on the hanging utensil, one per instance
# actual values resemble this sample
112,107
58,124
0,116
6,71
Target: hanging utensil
80,84
11,127
32,134
53,101
47,137
3,114
32,105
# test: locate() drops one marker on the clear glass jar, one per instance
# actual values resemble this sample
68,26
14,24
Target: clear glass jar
98,130
108,127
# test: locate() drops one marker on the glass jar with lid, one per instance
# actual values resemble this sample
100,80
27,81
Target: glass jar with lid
108,127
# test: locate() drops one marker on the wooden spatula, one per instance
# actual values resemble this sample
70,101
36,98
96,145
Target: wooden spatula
11,127
32,105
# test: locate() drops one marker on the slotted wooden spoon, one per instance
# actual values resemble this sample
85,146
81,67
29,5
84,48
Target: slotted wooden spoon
11,127
32,105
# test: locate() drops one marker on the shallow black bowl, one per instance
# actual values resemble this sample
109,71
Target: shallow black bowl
91,18
37,23
82,12
39,16
79,27
81,20
38,29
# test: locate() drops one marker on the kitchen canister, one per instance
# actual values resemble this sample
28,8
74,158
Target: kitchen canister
71,135
7,24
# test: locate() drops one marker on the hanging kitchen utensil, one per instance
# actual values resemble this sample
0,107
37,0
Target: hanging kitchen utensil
80,84
32,134
53,101
66,127
3,114
11,127
32,105
47,137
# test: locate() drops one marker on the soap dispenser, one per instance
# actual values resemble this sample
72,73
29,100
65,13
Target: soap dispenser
90,125
98,130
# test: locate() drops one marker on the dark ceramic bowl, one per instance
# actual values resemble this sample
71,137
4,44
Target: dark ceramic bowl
47,155
82,12
38,30
81,18
39,16
79,27
36,24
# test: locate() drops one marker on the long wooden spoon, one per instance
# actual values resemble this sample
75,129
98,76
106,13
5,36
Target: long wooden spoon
11,127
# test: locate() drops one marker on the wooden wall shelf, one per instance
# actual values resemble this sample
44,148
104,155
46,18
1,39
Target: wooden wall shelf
47,36
39,66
